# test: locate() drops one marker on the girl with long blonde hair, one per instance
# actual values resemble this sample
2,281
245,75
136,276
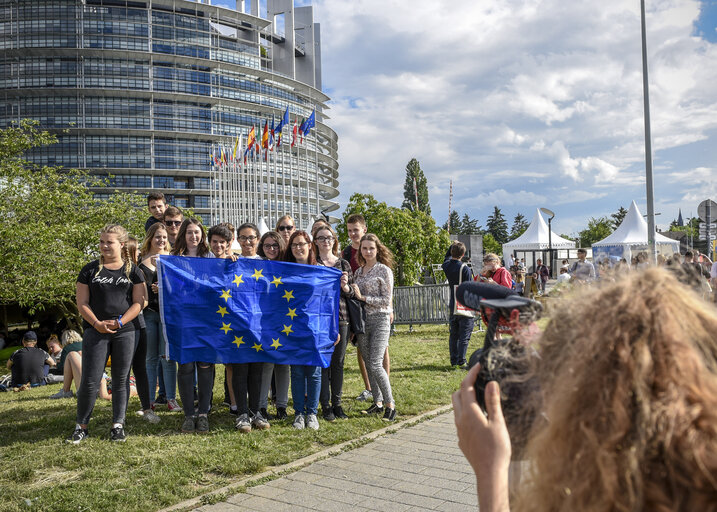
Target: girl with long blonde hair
110,295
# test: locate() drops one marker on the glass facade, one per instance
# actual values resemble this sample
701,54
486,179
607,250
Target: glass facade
144,92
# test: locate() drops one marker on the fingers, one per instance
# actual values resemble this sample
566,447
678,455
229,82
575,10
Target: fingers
492,402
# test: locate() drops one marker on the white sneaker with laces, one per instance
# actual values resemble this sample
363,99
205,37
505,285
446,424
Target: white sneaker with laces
312,422
299,422
173,406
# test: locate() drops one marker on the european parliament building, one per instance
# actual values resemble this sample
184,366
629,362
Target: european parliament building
144,92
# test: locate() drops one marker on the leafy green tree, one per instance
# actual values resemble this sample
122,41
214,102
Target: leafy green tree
491,245
597,230
413,170
497,226
49,224
618,217
454,224
520,224
412,236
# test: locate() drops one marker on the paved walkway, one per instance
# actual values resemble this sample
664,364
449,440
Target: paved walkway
416,468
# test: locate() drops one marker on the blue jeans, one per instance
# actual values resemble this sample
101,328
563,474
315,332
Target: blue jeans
156,357
305,388
460,335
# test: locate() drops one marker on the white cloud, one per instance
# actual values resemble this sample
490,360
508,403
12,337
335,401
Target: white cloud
515,100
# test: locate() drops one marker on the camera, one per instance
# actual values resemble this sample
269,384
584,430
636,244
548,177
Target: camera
506,360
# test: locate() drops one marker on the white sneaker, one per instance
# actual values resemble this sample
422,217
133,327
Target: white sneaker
312,422
62,394
365,395
150,417
242,423
259,422
299,422
173,406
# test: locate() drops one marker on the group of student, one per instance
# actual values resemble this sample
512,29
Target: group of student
117,297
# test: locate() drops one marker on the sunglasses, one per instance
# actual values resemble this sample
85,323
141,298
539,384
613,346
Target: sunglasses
286,228
172,222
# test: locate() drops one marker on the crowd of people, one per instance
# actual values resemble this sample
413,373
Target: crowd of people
119,302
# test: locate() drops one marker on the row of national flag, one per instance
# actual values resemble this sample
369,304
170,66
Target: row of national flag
271,137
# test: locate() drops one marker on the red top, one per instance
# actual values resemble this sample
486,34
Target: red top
501,276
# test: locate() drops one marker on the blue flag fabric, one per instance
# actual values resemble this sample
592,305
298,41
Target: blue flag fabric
218,311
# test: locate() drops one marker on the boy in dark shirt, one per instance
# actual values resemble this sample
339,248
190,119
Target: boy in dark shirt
461,327
28,363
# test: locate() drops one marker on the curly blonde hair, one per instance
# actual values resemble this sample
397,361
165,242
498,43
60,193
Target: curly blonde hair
628,378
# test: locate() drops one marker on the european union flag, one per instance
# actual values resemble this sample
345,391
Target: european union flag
219,311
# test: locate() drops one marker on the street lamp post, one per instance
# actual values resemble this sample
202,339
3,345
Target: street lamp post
648,143
550,237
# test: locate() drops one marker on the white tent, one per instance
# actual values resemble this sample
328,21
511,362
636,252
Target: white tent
535,238
534,243
630,238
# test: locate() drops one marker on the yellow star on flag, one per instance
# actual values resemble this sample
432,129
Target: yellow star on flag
257,347
287,330
225,295
225,327
257,274
276,281
237,279
288,295
275,345
291,313
222,311
238,341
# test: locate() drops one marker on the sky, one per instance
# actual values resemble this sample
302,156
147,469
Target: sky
523,103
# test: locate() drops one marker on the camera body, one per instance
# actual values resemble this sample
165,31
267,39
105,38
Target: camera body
508,362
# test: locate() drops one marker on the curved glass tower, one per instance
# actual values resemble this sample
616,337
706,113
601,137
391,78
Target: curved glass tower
145,91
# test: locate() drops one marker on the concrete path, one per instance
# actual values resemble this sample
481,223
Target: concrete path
416,468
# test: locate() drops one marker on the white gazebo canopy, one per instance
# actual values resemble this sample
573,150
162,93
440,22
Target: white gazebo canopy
536,237
631,235
633,231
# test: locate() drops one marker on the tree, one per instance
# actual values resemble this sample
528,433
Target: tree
617,218
497,226
49,224
470,226
414,171
520,224
490,245
453,224
412,236
597,230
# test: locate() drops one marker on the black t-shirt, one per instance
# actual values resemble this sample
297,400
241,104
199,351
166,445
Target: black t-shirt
150,276
110,291
150,222
28,365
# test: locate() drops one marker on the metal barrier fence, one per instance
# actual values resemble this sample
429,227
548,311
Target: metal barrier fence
427,304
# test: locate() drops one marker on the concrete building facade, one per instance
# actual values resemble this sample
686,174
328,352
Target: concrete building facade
144,91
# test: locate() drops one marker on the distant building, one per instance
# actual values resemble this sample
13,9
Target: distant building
147,90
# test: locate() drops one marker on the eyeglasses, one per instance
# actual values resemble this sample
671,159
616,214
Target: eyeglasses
271,247
299,245
325,239
172,222
247,238
286,228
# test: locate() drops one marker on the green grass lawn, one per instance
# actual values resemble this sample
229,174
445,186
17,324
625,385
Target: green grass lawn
158,466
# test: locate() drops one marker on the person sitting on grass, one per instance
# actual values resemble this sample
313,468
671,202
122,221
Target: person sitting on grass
70,363
625,417
28,364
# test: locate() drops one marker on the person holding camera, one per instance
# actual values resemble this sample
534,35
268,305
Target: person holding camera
627,422
461,321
